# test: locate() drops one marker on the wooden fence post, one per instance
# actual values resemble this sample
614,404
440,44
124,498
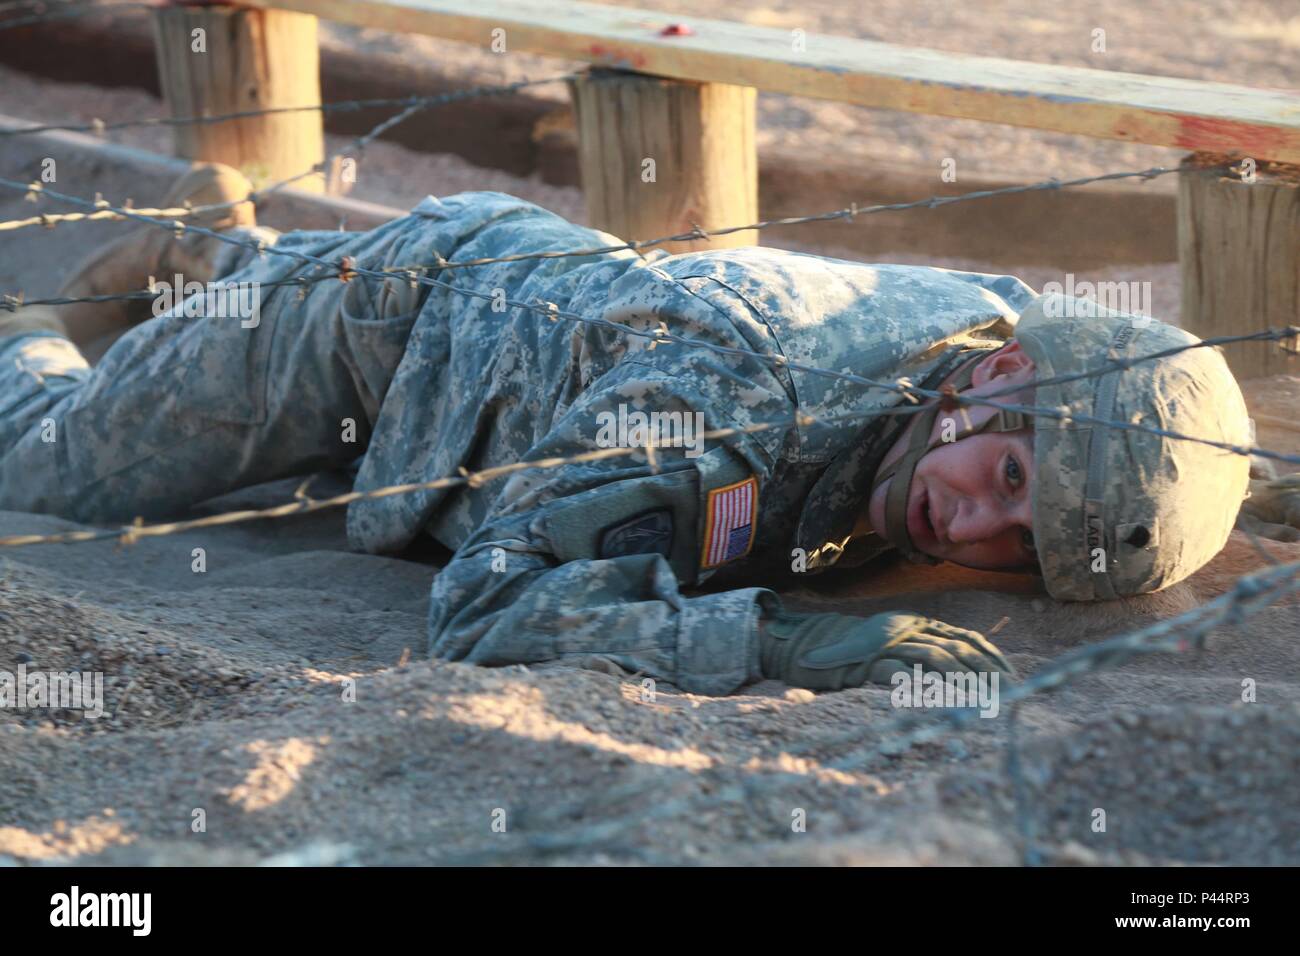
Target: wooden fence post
214,60
1239,248
659,156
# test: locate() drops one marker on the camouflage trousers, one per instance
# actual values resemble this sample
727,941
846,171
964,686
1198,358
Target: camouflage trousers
192,404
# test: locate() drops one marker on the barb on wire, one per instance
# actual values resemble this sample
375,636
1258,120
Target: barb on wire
661,335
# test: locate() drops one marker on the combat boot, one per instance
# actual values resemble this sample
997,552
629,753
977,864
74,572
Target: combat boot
126,264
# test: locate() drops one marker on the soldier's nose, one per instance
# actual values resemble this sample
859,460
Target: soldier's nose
976,519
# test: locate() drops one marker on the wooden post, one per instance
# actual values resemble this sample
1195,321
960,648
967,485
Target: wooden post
659,157
1239,248
241,59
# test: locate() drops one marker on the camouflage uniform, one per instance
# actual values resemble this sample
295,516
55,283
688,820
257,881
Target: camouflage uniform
578,561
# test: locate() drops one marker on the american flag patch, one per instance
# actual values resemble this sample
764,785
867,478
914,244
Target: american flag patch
729,524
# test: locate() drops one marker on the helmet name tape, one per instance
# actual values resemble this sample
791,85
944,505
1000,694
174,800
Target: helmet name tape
1095,488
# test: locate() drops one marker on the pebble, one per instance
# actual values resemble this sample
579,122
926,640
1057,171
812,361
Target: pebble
800,695
894,747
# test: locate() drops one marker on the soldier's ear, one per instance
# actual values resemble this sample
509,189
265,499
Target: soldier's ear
1009,363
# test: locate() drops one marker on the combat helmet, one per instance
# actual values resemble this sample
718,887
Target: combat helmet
1116,511
1119,512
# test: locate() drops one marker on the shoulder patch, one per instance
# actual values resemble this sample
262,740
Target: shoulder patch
729,521
650,532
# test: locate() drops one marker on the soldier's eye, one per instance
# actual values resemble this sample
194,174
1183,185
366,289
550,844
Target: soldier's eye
1015,474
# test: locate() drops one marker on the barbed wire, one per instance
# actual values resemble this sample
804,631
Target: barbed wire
302,504
99,127
144,295
347,270
663,335
1118,364
412,105
850,212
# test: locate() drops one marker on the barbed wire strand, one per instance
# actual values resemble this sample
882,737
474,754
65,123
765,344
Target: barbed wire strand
850,213
663,335
412,105
302,504
99,127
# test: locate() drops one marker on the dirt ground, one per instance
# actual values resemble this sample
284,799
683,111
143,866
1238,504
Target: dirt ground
226,689
226,694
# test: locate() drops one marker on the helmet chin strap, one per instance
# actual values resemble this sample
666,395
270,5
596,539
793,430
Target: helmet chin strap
918,446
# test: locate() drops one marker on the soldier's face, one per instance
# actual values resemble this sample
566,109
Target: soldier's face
971,501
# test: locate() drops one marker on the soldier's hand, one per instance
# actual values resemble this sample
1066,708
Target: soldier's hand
1273,508
833,651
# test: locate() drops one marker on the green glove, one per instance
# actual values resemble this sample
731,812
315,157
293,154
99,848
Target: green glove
833,651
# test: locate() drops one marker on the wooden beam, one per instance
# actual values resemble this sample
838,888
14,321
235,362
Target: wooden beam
1239,248
243,60
1162,111
659,157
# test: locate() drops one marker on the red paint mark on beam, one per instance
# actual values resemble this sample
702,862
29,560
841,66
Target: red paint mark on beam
1233,137
634,59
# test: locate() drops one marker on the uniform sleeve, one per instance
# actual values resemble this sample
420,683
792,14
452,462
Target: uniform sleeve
508,599
589,559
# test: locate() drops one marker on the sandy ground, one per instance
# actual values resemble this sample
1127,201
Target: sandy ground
226,689
226,695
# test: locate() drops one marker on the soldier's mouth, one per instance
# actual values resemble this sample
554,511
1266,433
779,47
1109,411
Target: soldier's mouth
920,523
